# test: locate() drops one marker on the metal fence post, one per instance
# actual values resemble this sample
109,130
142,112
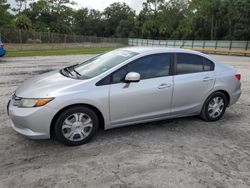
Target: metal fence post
230,47
216,44
204,43
247,45
20,38
166,42
174,43
192,43
65,36
40,37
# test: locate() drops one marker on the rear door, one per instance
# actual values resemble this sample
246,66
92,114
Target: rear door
148,99
194,78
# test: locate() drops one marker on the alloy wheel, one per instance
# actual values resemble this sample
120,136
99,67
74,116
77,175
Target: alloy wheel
216,107
77,126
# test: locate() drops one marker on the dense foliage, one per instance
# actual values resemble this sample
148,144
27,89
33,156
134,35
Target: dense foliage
159,19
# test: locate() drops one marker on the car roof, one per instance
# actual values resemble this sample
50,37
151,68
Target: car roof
144,49
154,49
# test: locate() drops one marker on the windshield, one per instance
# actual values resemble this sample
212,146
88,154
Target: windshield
102,63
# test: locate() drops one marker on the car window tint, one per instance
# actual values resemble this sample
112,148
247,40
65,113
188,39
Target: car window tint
189,63
148,67
119,75
151,66
208,65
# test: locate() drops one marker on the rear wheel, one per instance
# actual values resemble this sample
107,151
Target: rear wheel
214,107
76,125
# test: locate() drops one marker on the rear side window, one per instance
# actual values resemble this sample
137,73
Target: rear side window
208,65
189,63
151,66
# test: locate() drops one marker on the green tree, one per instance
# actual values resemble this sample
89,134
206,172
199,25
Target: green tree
23,22
201,21
238,19
160,18
88,22
114,14
126,28
148,19
6,19
51,15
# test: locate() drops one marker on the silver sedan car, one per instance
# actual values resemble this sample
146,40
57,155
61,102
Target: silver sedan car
123,87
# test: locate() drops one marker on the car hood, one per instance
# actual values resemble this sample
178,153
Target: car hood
49,84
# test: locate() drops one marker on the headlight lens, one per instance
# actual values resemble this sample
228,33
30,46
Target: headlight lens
29,103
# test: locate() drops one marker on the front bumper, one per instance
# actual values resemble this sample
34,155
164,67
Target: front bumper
31,122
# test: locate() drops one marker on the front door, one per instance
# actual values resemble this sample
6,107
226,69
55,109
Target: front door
148,99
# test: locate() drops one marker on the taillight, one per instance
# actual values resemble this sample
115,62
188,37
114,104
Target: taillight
238,76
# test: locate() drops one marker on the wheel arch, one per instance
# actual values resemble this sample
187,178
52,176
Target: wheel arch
95,109
211,93
226,94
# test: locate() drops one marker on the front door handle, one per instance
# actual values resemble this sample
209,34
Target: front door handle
163,86
206,79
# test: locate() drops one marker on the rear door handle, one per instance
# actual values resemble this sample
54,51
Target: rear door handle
163,86
206,79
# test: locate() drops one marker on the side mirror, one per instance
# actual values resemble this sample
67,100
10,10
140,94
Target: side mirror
132,77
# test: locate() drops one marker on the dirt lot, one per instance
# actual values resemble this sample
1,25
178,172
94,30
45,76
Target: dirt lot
185,152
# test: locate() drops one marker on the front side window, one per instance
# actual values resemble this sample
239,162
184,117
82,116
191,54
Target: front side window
102,63
151,66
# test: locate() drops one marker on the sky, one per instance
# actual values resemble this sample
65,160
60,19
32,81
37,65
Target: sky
100,4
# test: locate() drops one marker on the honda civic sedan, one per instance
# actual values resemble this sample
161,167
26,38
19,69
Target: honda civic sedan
123,87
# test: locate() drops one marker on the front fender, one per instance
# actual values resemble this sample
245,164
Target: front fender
99,98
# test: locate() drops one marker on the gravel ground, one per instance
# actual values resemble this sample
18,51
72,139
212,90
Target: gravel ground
185,152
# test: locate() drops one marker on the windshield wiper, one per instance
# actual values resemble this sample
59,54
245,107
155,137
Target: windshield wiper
77,72
68,71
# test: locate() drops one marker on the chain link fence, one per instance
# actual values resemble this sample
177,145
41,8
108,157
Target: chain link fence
213,46
15,40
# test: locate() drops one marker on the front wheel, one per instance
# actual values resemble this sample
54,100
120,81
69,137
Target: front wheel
214,107
76,125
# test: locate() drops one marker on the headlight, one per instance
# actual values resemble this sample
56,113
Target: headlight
29,103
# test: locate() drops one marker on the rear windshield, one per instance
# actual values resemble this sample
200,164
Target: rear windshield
102,63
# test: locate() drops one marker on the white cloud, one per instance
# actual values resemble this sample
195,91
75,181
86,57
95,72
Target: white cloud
102,4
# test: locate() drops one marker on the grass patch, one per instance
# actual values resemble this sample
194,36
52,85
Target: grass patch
25,53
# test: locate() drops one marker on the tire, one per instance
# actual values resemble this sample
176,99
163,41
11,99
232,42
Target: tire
76,125
211,112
